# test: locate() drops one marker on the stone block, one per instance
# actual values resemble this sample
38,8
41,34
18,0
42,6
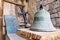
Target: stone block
54,15
59,0
51,6
49,1
58,22
54,10
58,14
58,9
45,2
56,4
47,7
50,12
54,22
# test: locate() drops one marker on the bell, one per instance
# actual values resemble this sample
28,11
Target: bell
42,21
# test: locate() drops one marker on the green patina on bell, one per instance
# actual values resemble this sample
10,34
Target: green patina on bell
42,21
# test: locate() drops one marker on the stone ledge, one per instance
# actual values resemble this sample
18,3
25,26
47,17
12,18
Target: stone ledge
39,35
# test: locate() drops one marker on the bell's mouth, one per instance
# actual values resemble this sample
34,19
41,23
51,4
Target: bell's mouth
39,30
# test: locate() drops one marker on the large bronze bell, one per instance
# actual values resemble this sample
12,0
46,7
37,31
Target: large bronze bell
42,21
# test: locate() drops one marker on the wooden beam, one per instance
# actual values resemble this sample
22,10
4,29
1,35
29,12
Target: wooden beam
1,19
13,2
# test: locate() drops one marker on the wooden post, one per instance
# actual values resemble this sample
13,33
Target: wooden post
1,19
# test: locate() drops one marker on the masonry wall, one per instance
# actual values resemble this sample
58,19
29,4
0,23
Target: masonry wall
52,6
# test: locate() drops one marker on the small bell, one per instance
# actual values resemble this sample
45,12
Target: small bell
42,21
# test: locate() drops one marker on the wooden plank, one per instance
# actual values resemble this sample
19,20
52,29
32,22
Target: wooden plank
1,28
39,35
13,2
1,19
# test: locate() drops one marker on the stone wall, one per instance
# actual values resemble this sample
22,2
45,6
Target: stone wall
53,6
32,9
